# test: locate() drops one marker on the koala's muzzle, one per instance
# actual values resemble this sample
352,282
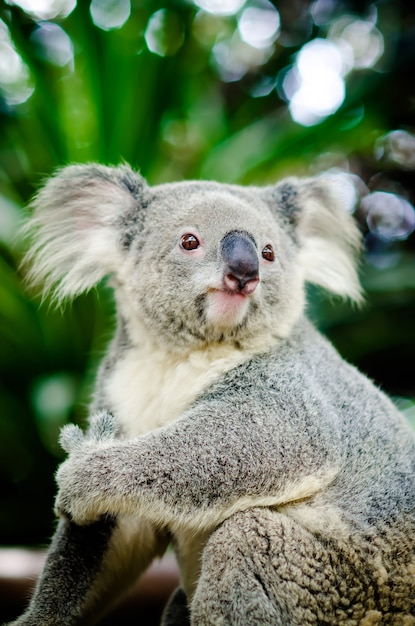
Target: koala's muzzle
241,272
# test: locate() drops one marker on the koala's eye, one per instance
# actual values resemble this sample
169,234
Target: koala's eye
268,253
189,242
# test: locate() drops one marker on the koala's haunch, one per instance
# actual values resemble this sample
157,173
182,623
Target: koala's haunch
222,421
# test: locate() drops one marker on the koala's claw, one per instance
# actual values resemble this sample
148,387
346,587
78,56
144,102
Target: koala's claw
103,428
71,437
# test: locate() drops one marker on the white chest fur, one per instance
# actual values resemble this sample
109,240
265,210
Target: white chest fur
149,388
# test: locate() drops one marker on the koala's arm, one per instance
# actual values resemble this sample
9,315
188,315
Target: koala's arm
196,471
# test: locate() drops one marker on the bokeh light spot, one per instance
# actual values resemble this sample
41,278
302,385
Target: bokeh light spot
45,9
220,7
110,14
322,11
361,37
53,44
259,25
315,86
164,34
15,83
397,147
317,56
388,215
233,58
53,398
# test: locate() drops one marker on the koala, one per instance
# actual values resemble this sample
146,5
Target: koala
222,422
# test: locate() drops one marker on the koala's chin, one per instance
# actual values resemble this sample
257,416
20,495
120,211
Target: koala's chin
226,310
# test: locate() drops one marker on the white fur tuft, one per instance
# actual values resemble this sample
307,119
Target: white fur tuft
330,238
73,228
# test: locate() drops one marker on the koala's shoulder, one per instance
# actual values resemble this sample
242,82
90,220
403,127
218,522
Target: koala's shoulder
281,366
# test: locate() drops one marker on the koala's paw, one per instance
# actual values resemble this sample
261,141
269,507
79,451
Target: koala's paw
84,479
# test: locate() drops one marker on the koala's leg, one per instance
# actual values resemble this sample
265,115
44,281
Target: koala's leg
87,568
261,567
177,611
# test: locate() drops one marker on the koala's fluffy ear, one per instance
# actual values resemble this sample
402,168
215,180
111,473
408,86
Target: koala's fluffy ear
320,212
80,222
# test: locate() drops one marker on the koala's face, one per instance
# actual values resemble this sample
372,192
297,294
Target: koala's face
211,264
194,262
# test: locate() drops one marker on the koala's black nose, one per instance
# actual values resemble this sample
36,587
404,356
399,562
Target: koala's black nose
241,258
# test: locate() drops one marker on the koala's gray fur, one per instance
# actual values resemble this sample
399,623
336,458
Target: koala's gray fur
224,423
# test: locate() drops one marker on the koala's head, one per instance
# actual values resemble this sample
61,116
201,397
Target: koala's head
195,262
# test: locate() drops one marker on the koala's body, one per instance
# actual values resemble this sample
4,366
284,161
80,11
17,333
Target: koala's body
224,423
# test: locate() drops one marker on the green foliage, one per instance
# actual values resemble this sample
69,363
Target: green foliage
176,91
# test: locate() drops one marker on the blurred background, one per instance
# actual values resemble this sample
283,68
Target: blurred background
238,91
